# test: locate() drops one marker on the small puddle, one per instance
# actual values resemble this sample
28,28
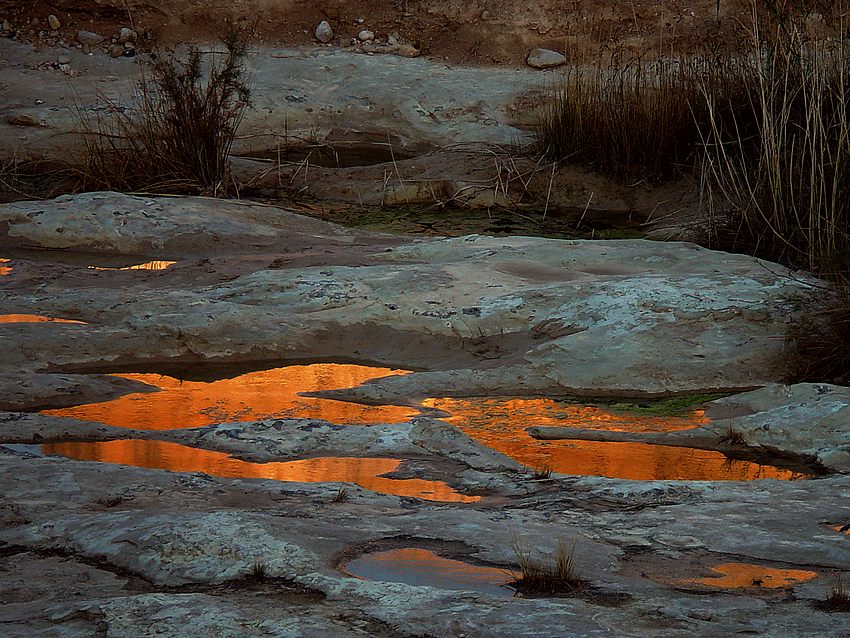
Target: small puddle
252,396
159,264
414,566
174,457
739,575
4,269
35,319
500,424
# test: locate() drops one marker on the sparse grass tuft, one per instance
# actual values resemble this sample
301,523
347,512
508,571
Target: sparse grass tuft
545,579
542,474
259,571
341,495
838,598
733,437
178,137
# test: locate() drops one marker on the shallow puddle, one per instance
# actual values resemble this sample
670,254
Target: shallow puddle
164,455
738,575
497,423
4,269
248,397
35,319
414,566
500,424
159,264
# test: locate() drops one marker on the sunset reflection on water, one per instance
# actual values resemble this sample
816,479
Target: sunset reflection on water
159,264
35,319
4,269
416,566
365,472
249,397
737,575
500,424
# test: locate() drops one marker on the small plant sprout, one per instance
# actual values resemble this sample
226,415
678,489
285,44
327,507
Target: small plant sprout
341,495
259,571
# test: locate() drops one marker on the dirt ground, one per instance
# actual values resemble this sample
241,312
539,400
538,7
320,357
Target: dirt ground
475,32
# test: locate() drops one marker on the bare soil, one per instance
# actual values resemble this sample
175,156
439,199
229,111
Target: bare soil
473,32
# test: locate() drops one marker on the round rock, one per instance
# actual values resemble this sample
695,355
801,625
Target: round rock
324,33
407,51
89,38
545,59
127,35
366,36
53,21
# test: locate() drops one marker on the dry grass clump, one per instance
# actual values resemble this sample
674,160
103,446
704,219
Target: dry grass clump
545,578
178,137
837,599
733,437
821,340
632,119
542,474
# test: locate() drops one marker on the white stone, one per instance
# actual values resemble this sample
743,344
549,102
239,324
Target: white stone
366,36
127,35
545,59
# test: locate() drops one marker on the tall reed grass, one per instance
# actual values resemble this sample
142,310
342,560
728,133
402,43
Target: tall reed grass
782,184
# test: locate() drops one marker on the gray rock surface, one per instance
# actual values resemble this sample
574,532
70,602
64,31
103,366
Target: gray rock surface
305,92
111,549
615,318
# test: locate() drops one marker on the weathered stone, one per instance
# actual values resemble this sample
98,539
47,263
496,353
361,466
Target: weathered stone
545,59
108,549
116,51
366,36
23,119
407,51
89,38
324,32
127,35
53,21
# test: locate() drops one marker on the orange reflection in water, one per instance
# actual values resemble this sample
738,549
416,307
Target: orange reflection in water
159,264
34,319
180,458
5,270
844,529
416,566
500,424
736,575
248,397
